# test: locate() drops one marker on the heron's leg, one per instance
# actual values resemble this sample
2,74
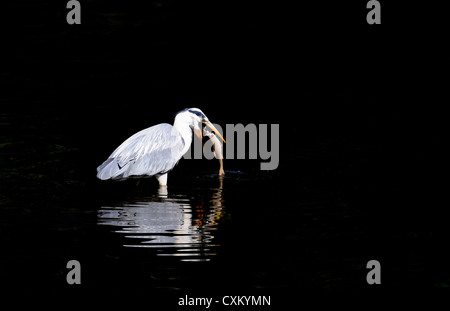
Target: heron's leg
162,192
162,179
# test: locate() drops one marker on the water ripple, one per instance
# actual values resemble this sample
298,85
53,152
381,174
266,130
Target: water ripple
174,226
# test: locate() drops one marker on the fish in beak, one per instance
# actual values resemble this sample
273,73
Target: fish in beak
206,122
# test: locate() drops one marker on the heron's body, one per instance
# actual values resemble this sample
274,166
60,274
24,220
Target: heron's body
153,151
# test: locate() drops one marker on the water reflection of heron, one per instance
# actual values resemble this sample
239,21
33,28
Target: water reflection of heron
174,225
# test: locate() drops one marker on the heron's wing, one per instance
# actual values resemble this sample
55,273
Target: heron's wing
155,150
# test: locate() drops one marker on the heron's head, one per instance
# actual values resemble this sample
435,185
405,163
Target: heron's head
194,117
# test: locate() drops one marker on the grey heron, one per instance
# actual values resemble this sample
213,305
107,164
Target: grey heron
156,150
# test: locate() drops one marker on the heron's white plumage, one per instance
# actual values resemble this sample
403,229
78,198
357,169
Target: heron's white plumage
155,150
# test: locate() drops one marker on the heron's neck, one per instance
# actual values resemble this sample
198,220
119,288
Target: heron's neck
183,127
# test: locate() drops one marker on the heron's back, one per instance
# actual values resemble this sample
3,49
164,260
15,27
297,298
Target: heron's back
155,150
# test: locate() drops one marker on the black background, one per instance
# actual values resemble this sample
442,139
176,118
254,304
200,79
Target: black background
371,96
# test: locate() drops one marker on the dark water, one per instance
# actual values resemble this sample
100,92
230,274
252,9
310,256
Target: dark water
361,151
173,225
312,224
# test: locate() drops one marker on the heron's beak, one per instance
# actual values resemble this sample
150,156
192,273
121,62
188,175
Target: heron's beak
198,133
214,129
